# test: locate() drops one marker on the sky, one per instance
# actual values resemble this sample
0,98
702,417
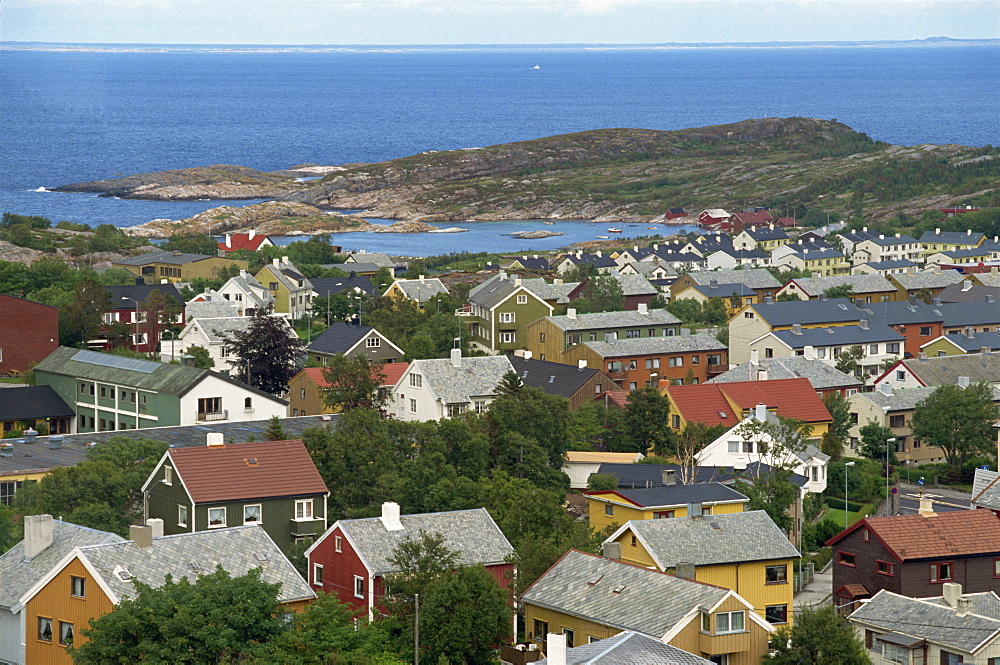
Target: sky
417,22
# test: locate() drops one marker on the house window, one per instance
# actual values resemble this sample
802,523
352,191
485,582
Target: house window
541,338
676,362
695,360
872,349
66,633
480,406
507,338
216,517
675,421
78,586
207,405
304,509
416,381
821,353
892,347
652,363
706,622
714,359
251,514
359,587
413,405
522,299
633,334
302,393
317,574
948,658
540,629
248,403
776,574
996,567
897,421
455,410
865,535
733,446
338,543
568,632
942,572
506,317
104,391
663,514
575,339
373,342
729,622
895,653
925,331
748,446
182,515
168,475
44,629
609,510
885,568
846,559
776,613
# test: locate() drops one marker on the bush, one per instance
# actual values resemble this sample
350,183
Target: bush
14,434
838,504
602,481
822,558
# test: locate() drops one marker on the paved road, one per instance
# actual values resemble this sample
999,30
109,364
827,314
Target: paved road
944,500
818,592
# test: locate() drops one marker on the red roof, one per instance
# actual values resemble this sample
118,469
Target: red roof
947,534
707,403
617,397
256,470
393,373
243,241
753,218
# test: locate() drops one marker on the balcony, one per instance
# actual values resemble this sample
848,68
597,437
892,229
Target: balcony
515,656
214,415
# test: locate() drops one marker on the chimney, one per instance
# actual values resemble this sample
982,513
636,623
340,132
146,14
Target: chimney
885,389
989,298
809,352
937,232
817,275
390,516
684,570
951,592
252,234
156,524
927,508
963,382
970,332
694,509
610,337
767,300
275,262
754,357
882,236
760,412
229,241
502,274
571,313
964,606
215,439
668,476
612,550
762,374
581,364
968,232
421,278
937,302
921,355
524,353
38,531
456,358
796,328
517,281
635,248
555,648
897,235
985,350
966,284
557,281
643,309
864,229
598,254
141,535
863,324
284,259
243,274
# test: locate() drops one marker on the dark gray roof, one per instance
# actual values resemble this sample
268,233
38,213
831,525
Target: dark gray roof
976,293
957,254
976,342
140,292
891,265
759,233
603,261
32,402
723,290
820,375
18,575
838,335
629,647
641,476
932,621
471,533
756,278
173,258
951,237
614,320
335,285
554,378
714,539
493,292
986,489
888,241
642,346
946,369
836,310
679,495
969,314
809,254
237,549
620,595
529,262
901,313
339,338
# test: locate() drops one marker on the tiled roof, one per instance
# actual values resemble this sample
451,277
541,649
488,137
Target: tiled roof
629,647
614,320
635,285
644,346
927,279
792,398
226,473
18,575
677,495
901,313
860,284
211,309
139,292
477,376
620,595
421,291
835,310
759,217
335,285
977,341
722,290
218,330
393,373
946,534
951,238
554,378
820,375
32,402
237,241
969,314
173,258
986,489
946,369
837,336
957,293
933,620
989,279
617,397
712,539
377,258
237,549
471,533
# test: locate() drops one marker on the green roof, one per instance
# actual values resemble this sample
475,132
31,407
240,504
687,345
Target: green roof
141,374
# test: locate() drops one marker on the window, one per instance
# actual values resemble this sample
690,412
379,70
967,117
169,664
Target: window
892,347
885,568
540,629
78,587
373,342
734,446
776,574
65,633
748,446
865,535
317,574
614,366
304,509
714,359
507,338
609,510
338,543
941,572
925,331
897,654
729,622
872,349
216,517
675,421
996,567
208,405
104,391
948,658
413,405
575,339
846,559
506,317
359,587
302,393
541,338
695,360
706,622
663,514
821,353
168,475
272,286
676,362
776,613
251,514
480,406
633,334
897,421
768,352
522,299
248,403
416,381
568,632
45,629
182,515
455,410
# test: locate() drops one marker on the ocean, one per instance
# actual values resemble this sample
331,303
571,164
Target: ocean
69,116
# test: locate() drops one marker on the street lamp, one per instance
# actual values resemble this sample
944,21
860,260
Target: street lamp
891,439
846,513
328,308
136,320
173,340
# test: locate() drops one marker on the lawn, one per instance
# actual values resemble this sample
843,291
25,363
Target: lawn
838,515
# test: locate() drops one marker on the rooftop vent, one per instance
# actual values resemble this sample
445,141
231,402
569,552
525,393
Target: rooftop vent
260,557
619,588
194,566
122,573
595,579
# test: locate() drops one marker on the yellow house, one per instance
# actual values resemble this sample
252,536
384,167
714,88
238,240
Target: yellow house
419,291
745,552
588,598
607,507
162,265
949,241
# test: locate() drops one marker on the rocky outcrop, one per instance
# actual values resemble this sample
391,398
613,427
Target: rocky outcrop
206,182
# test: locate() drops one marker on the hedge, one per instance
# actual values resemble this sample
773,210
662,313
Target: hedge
838,504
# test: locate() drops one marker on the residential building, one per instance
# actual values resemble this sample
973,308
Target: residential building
419,291
580,384
501,311
924,284
818,260
674,213
616,507
352,284
627,646
273,484
208,304
713,218
914,555
640,476
589,598
703,245
47,542
864,288
89,581
646,361
969,342
920,372
959,317
948,241
748,219
353,557
950,629
534,262
986,490
579,465
887,248
353,340
885,268
376,258
603,264
305,389
214,335
110,393
251,241
823,378
914,319
448,387
292,291
732,296
730,259
767,238
549,337
177,266
761,281
29,331
969,291
28,407
636,289
249,295
960,256
745,552
126,305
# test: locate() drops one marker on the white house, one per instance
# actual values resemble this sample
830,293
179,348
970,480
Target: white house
580,464
249,294
447,387
211,334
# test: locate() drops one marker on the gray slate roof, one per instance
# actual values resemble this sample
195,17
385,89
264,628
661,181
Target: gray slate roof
254,290
237,549
211,309
765,233
838,335
378,258
907,398
557,292
635,285
614,320
162,256
895,313
891,265
815,286
219,329
928,279
18,575
649,602
934,621
458,385
986,489
715,539
820,375
139,292
947,369
643,346
957,293
723,290
951,237
419,291
629,647
471,533
888,241
958,254
756,278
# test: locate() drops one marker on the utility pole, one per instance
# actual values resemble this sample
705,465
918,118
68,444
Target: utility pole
416,629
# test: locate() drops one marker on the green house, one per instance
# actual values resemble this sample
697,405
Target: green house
501,311
271,483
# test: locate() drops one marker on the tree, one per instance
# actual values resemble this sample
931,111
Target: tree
202,358
83,319
714,312
647,422
160,311
848,360
692,440
217,617
874,440
925,295
832,445
198,243
840,411
419,561
787,296
602,481
268,352
819,637
841,291
274,431
602,293
354,383
958,420
510,384
534,414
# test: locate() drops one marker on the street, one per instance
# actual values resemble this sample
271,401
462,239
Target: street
944,499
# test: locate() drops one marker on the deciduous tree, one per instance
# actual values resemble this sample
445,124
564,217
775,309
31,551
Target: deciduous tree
268,352
646,425
354,383
819,637
958,420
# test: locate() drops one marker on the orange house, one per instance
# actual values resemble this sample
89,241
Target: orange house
90,580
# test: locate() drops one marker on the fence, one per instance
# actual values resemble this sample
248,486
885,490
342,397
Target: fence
806,573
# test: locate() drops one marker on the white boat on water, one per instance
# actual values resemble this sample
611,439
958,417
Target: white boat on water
602,237
614,230
536,67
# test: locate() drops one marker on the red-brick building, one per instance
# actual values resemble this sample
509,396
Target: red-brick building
29,331
352,559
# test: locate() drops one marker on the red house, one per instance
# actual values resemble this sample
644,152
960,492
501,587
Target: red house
674,213
713,217
352,558
29,331
238,241
745,220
